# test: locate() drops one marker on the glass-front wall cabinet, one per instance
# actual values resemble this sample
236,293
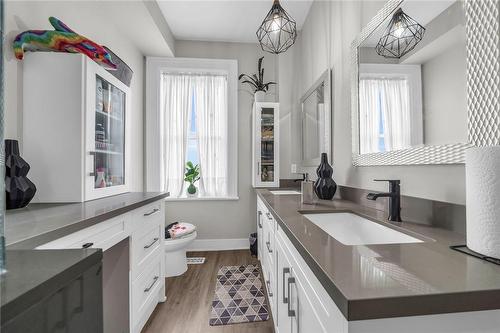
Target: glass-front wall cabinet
266,149
109,154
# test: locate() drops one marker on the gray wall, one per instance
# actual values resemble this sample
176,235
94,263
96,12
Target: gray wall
325,42
227,219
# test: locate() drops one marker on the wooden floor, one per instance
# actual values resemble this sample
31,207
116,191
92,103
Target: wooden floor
189,298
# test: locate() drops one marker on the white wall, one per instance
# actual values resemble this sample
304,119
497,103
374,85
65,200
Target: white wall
227,219
325,42
95,20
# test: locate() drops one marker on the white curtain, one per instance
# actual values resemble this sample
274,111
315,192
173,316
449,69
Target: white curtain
389,99
177,90
395,101
210,94
369,118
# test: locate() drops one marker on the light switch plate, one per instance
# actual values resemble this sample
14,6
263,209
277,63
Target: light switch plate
294,168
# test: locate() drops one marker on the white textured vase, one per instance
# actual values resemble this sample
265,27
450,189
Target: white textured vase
260,96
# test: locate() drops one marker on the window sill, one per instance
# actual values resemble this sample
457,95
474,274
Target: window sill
203,199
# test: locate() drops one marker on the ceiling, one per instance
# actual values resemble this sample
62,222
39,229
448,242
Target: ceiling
224,20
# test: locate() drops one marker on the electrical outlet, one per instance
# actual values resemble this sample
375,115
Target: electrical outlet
294,168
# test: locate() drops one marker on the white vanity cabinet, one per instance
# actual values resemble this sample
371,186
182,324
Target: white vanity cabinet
75,128
144,227
265,145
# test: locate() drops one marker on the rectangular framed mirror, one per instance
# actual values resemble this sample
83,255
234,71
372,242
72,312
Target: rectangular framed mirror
316,121
413,96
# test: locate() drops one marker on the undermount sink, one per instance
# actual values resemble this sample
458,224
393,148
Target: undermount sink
351,229
284,192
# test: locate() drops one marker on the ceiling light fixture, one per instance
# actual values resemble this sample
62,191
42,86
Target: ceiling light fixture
400,37
278,31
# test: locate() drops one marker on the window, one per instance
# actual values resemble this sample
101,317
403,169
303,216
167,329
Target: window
192,117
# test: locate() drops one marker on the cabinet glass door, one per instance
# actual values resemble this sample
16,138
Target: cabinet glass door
267,145
109,154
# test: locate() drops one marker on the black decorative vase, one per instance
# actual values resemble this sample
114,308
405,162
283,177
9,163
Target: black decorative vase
324,186
19,190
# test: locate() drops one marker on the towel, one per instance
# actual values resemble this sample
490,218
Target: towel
179,229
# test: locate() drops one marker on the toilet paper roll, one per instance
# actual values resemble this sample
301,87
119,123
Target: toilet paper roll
482,169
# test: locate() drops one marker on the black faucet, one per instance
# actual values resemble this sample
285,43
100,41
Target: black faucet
304,177
394,196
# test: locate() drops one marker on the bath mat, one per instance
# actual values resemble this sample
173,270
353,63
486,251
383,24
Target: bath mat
195,260
239,296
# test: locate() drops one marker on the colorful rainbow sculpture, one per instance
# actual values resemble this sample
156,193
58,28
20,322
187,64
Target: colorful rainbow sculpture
62,39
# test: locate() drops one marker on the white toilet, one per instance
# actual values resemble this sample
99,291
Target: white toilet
175,254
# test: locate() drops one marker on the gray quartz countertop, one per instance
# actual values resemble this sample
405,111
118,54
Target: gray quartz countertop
388,280
32,275
37,224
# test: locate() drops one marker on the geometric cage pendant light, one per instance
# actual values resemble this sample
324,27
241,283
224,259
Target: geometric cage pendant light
400,37
278,31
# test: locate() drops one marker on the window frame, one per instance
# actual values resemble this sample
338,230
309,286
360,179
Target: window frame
155,67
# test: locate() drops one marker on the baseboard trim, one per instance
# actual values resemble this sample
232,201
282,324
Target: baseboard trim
219,244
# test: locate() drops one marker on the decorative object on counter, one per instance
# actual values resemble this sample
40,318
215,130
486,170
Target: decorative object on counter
100,180
192,175
482,175
278,31
19,190
325,187
400,37
250,302
307,190
62,39
123,72
256,81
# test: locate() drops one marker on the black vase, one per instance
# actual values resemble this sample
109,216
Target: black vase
19,190
324,186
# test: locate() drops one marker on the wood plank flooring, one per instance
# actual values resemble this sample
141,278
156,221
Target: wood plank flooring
189,298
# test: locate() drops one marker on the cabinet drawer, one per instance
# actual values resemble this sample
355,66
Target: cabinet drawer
270,282
145,245
145,291
102,235
153,213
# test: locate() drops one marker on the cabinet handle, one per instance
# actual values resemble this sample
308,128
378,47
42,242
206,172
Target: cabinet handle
258,219
151,244
286,270
269,217
152,284
269,292
156,210
268,245
291,313
87,245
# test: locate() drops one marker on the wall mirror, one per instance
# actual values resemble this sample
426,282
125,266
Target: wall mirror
316,121
410,84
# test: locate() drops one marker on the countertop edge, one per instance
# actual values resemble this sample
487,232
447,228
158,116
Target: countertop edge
16,306
33,242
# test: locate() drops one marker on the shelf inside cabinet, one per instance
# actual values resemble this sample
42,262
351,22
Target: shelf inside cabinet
108,115
108,152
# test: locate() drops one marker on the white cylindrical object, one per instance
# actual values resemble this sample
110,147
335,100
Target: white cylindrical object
482,169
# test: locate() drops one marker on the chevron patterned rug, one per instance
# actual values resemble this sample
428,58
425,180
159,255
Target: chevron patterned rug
239,296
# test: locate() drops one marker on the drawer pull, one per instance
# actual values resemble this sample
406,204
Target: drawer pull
269,216
154,211
268,245
286,271
87,245
259,220
152,284
291,313
269,292
152,243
